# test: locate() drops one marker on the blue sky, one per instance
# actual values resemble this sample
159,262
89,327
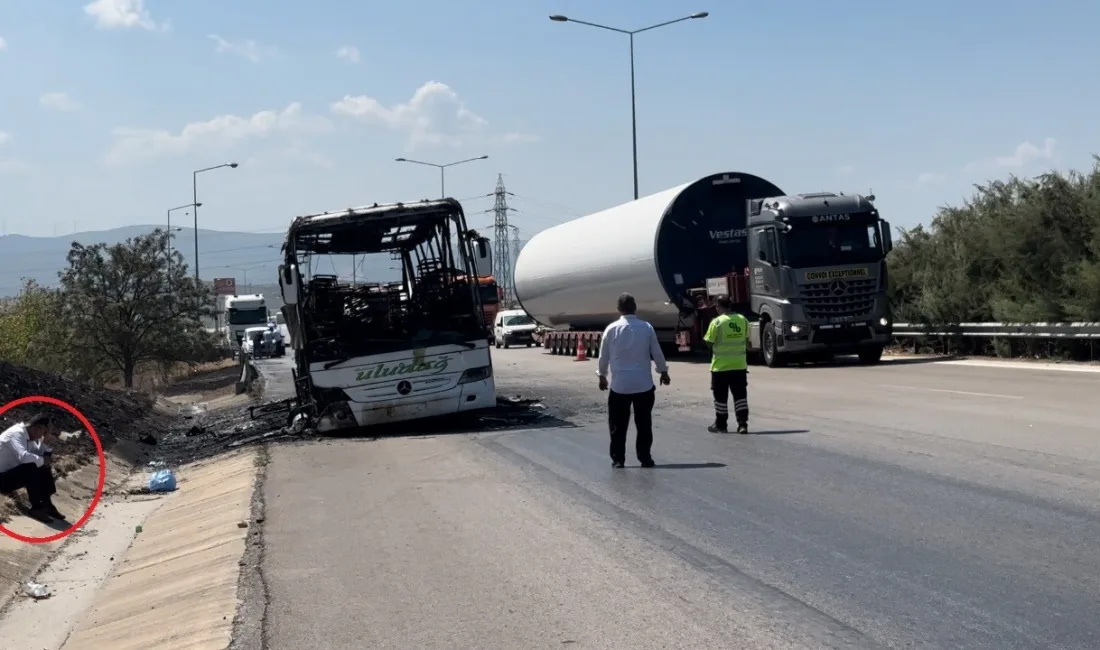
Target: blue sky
109,106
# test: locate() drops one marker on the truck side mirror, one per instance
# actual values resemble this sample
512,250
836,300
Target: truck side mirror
483,259
887,238
288,283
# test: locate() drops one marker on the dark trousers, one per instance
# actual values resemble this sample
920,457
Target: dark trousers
618,420
38,481
722,384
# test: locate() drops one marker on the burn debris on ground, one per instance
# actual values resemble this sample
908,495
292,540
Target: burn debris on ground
201,434
116,415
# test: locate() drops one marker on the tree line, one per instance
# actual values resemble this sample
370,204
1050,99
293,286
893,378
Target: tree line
1019,250
117,310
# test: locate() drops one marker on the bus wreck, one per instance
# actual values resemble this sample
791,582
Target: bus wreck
371,352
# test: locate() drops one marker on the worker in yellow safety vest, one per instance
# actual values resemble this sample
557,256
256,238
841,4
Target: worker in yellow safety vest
728,337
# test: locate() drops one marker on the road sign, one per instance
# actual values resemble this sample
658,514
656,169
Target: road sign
225,286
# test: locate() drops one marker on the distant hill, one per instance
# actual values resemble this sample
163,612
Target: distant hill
247,257
222,254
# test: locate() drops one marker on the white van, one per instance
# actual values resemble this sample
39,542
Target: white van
513,327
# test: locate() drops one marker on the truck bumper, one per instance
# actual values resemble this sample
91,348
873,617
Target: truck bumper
847,338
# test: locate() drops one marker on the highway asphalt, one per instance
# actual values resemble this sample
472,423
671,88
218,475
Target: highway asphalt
911,504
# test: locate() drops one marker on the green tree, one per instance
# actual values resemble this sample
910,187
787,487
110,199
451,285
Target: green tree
125,306
1020,250
27,324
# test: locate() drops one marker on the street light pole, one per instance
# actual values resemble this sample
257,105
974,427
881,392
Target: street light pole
195,202
441,168
170,211
633,103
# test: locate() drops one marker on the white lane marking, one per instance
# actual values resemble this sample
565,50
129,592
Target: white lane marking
1008,365
955,392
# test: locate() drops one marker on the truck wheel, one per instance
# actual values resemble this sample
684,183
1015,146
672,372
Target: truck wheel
772,357
505,344
870,356
496,342
528,344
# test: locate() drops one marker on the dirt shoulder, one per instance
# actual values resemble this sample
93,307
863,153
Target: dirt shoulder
139,433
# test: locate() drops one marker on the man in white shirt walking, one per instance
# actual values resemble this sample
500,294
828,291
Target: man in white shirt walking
627,348
25,463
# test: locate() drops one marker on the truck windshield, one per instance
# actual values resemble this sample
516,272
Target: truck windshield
808,246
489,294
513,321
253,316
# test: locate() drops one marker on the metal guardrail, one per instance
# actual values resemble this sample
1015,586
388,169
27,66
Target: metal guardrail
248,374
1077,331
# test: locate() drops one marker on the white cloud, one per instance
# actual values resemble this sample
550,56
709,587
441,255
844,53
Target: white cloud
433,116
220,132
845,170
1025,154
349,53
58,101
120,14
4,137
3,43
930,178
248,49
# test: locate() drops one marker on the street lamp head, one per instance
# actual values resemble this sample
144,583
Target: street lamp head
198,205
482,158
559,18
701,14
233,165
400,160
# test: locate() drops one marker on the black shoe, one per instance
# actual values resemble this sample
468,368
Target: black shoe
618,464
716,428
52,510
743,429
648,463
41,514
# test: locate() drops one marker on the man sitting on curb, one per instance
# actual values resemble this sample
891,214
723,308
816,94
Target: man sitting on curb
25,463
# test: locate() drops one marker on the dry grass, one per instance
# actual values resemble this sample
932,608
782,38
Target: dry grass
151,379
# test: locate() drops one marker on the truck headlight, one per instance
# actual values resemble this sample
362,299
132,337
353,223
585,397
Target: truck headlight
883,322
795,329
476,374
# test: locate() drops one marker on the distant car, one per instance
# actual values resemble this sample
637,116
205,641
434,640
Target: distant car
264,341
513,327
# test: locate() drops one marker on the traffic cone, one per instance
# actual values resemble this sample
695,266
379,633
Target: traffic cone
582,351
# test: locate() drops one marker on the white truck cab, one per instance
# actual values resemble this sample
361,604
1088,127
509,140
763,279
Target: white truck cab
240,313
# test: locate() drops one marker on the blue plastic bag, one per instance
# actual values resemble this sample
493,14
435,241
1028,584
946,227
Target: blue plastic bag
162,481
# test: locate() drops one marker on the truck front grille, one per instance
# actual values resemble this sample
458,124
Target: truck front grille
839,299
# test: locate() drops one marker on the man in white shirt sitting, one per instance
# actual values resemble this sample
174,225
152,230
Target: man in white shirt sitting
627,348
25,463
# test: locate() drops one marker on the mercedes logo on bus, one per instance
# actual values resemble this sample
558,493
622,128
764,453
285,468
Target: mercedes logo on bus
838,287
404,387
